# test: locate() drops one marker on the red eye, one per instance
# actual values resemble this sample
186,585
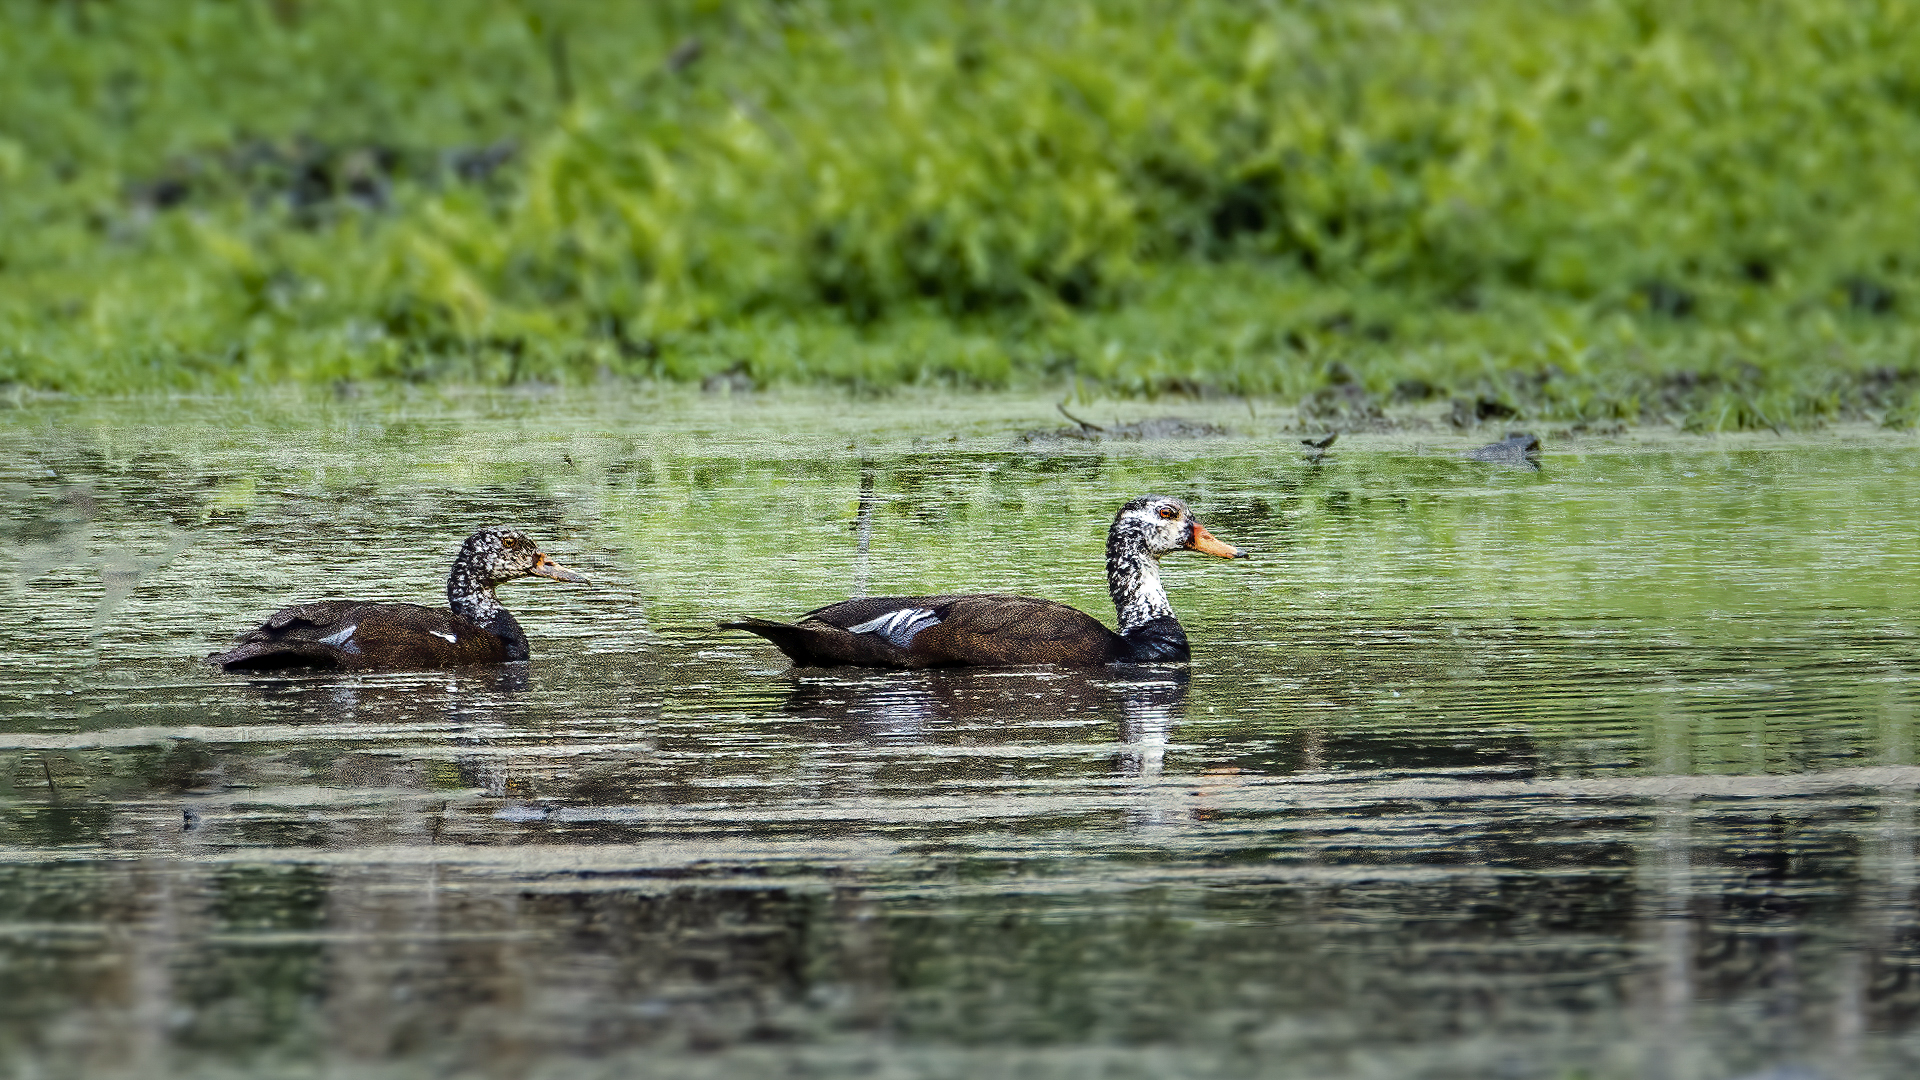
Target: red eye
1169,513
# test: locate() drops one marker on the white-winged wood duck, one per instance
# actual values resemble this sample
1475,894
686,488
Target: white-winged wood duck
360,635
995,630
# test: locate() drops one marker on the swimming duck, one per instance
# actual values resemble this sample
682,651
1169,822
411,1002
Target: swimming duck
990,629
358,635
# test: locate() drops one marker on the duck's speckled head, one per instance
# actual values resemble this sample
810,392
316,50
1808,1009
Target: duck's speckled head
1162,524
488,558
499,554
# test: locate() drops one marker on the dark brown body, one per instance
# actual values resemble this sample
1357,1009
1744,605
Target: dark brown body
973,630
353,635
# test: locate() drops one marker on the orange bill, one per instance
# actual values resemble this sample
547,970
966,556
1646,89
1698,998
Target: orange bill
546,567
1213,545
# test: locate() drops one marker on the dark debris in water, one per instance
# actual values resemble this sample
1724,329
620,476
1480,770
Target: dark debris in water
1157,427
1518,450
1317,448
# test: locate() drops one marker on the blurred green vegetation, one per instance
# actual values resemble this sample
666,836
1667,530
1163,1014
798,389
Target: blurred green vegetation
1588,210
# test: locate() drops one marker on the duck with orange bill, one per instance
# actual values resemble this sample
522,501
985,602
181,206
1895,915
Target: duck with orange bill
989,629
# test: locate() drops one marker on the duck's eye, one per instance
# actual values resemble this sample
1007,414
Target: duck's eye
1168,513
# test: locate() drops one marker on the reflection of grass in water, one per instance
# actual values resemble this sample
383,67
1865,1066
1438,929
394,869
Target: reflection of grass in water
1677,604
1584,213
1688,564
718,508
121,572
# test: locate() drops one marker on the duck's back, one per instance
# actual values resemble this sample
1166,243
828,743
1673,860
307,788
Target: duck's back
351,635
986,629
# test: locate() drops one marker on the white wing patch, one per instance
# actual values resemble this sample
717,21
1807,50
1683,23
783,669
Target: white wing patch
899,627
448,638
343,639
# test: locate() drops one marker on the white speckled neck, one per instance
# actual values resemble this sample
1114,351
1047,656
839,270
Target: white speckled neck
1133,579
470,595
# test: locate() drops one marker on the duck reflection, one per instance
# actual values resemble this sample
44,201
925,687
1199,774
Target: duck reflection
457,695
1151,703
1139,704
476,729
876,706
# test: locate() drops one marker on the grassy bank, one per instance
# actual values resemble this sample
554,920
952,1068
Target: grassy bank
1578,211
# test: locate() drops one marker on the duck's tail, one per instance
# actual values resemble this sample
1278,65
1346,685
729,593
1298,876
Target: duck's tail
788,638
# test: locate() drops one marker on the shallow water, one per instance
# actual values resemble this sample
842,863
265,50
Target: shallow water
1604,770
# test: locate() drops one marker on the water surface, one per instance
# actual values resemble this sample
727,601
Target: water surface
1601,770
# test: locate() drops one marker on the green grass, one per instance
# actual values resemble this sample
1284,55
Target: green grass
1690,212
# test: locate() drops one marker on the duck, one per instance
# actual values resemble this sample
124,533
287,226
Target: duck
361,635
994,630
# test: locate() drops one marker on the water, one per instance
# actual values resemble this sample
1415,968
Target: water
1605,770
